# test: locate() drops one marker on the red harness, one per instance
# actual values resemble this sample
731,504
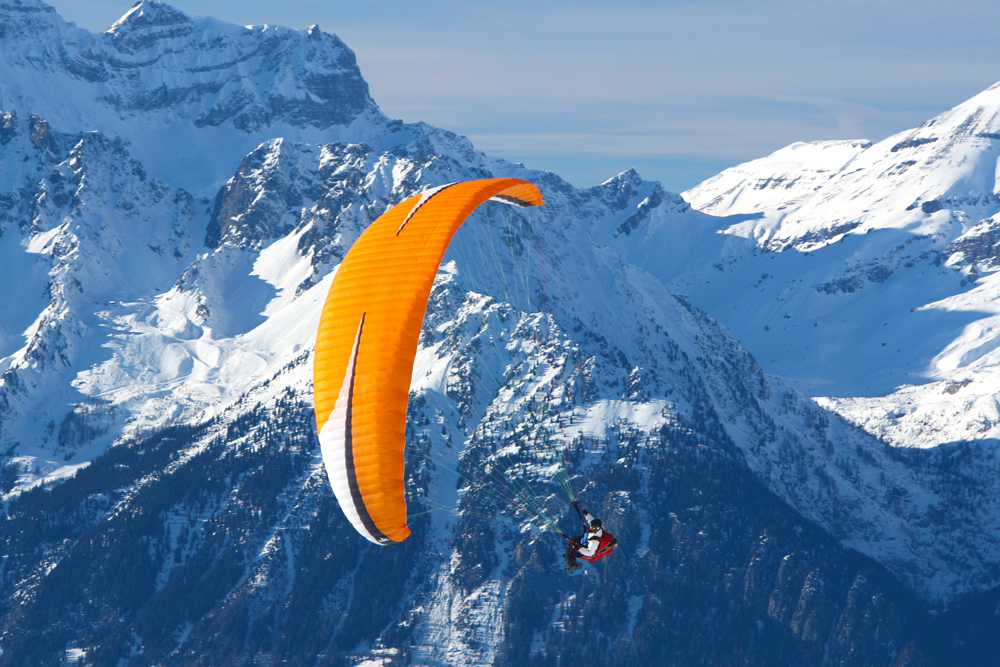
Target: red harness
605,544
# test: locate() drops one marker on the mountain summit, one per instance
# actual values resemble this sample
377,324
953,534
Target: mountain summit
885,280
148,15
159,78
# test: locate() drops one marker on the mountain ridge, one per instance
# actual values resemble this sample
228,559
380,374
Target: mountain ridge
156,63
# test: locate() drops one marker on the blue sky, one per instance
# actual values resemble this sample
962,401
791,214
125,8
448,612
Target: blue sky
677,89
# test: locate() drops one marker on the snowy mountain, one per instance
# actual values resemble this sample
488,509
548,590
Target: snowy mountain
169,85
877,279
176,194
855,237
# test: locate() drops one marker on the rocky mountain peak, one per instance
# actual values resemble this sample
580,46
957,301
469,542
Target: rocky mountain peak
629,177
148,14
228,84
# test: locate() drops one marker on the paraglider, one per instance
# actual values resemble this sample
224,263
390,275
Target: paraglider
367,342
594,544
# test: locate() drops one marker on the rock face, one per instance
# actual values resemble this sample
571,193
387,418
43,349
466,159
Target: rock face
157,59
304,80
246,558
165,500
170,84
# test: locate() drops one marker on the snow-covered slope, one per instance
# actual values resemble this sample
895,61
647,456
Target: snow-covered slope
179,326
884,275
539,341
889,237
171,85
813,194
89,238
199,329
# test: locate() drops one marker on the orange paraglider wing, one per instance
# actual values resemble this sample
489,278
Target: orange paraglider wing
367,342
